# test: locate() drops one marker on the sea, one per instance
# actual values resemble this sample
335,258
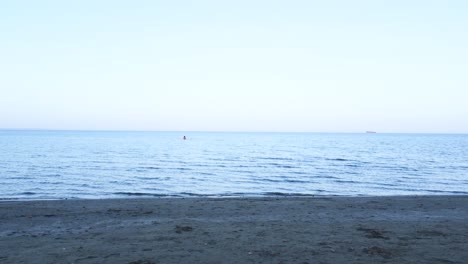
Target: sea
42,164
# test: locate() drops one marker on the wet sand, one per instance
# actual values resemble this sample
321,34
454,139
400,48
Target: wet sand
422,229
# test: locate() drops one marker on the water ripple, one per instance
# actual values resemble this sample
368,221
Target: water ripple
110,164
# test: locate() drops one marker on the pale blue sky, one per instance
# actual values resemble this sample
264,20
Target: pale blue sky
318,66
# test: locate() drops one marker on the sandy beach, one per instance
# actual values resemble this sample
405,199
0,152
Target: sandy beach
407,229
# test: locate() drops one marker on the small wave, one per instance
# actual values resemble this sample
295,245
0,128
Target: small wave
224,160
148,178
64,167
149,168
194,194
352,172
298,172
183,169
143,169
53,175
287,167
419,190
284,179
38,156
454,167
51,183
297,181
207,174
101,162
406,177
403,168
277,165
28,193
337,159
387,184
325,177
243,166
274,158
395,168
142,194
448,192
345,181
269,180
287,194
19,178
135,170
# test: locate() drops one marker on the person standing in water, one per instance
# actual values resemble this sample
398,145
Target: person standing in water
184,138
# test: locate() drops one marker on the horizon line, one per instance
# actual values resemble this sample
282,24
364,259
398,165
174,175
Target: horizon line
227,131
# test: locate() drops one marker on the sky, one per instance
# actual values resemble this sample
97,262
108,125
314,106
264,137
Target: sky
258,65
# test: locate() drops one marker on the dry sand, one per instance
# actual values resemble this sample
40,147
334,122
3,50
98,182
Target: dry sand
429,229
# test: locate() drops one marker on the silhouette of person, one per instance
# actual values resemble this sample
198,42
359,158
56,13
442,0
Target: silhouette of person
184,138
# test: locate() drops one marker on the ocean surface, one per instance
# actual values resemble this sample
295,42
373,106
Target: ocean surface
90,164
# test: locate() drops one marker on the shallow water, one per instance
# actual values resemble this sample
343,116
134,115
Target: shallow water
90,164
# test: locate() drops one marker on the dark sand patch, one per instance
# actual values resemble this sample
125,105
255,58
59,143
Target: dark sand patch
417,229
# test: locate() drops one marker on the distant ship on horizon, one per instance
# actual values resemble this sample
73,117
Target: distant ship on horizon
371,132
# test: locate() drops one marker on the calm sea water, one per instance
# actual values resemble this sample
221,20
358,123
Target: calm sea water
85,164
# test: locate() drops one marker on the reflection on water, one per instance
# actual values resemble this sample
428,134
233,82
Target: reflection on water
80,164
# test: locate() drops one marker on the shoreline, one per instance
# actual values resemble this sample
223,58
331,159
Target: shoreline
284,229
247,196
